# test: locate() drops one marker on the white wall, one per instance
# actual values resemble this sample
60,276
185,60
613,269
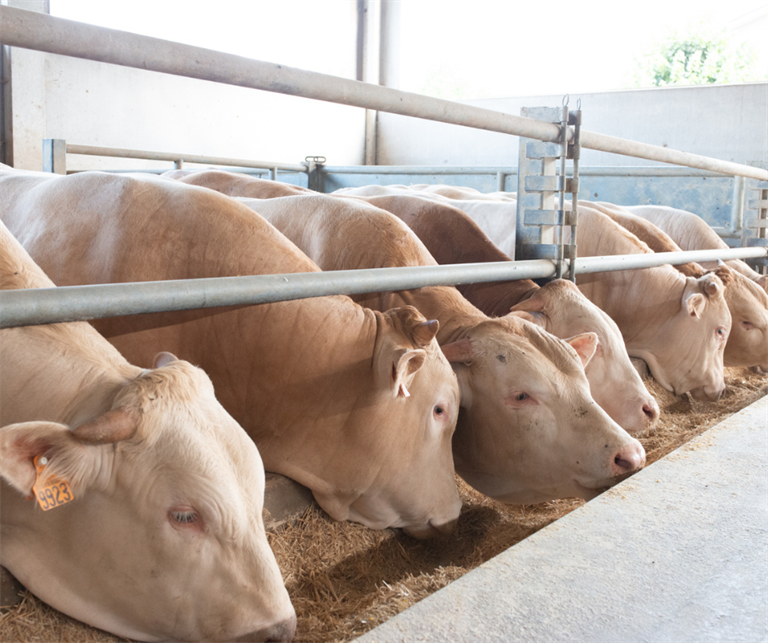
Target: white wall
728,122
90,103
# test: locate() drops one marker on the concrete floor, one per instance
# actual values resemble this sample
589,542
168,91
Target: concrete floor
677,553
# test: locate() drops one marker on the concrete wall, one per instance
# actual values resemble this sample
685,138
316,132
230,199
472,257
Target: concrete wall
728,122
89,103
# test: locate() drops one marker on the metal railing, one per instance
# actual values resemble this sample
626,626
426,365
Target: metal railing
42,32
76,303
55,152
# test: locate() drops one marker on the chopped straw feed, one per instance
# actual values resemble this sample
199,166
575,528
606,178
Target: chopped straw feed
345,579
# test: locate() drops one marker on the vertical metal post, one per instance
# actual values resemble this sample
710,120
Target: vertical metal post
501,181
574,153
178,164
273,174
737,204
315,178
540,220
55,155
537,183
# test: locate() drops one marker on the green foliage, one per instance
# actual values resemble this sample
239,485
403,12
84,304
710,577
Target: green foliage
698,59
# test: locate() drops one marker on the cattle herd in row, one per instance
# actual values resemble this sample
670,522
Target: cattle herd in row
150,488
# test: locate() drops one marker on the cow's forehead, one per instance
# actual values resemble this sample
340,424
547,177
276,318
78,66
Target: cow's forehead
524,341
180,413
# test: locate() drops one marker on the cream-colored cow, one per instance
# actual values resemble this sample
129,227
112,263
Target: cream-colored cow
150,526
359,406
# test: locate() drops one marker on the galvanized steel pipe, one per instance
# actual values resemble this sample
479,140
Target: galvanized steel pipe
630,171
93,150
32,30
73,303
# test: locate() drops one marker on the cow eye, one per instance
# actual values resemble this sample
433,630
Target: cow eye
521,397
184,517
439,410
720,332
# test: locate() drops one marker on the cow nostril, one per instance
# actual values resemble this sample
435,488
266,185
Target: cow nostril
624,465
651,412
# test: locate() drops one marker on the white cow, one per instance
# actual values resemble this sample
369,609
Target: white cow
150,526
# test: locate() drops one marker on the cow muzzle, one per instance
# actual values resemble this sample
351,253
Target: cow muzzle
282,631
432,529
707,394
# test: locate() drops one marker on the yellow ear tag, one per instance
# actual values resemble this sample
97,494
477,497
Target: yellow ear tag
55,492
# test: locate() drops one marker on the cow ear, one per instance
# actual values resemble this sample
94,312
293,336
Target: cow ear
585,346
713,286
724,272
531,305
763,282
404,367
695,304
163,359
21,443
423,333
459,351
535,318
109,427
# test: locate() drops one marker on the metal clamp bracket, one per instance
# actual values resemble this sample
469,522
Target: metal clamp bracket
541,213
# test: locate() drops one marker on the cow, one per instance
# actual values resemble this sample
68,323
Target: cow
677,325
691,232
747,302
148,522
236,184
494,214
528,429
451,237
359,406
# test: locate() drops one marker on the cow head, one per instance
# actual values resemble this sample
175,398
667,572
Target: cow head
164,538
747,343
560,308
407,479
689,345
529,430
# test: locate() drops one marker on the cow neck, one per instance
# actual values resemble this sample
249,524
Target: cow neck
497,298
307,362
639,301
444,303
78,378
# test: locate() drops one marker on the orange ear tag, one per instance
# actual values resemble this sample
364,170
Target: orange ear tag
55,492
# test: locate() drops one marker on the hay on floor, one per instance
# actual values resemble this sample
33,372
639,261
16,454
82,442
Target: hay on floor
345,579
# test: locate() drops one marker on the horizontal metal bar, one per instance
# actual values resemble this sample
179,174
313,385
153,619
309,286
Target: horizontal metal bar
541,150
417,169
542,217
548,184
74,303
41,32
628,170
92,150
758,223
587,265
758,204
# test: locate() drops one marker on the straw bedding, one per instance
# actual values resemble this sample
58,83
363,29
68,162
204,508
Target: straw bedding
345,579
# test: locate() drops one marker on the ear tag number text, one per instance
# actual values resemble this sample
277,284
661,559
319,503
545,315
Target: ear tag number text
55,492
